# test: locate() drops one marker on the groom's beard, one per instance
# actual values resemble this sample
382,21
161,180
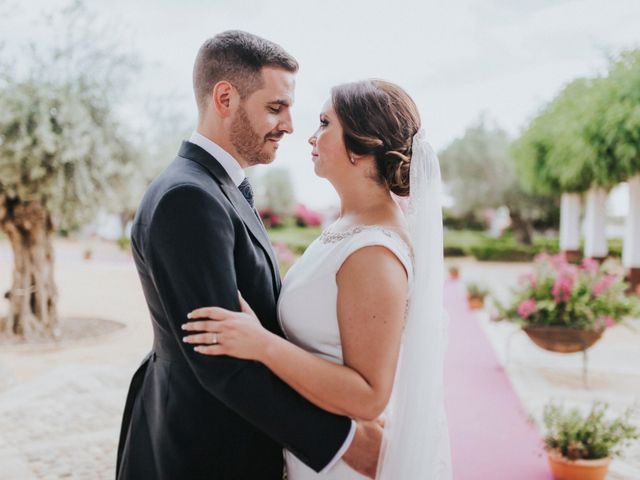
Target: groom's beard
247,141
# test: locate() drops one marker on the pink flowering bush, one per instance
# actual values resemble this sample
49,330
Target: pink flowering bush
588,297
285,256
270,218
306,217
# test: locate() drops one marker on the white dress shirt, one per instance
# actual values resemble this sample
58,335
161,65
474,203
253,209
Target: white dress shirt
230,164
237,175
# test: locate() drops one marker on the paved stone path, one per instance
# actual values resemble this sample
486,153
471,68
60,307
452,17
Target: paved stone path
60,407
539,376
63,425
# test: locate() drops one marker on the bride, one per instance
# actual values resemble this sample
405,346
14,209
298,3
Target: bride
362,308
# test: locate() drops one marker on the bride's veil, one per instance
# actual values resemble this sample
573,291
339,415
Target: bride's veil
416,440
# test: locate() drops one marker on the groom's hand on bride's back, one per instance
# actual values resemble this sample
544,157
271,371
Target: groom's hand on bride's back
364,451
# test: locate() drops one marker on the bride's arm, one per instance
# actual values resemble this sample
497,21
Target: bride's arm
372,292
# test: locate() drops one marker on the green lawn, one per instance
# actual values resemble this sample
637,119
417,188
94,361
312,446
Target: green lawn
456,243
463,240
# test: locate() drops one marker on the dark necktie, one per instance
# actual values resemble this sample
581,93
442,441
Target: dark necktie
247,191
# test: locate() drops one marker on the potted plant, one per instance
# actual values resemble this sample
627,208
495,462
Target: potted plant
88,253
454,272
566,308
476,294
580,447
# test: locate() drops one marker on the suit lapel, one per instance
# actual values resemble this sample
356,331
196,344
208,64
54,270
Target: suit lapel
237,200
253,223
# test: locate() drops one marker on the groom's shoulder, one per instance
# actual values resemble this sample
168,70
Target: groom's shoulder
182,177
184,172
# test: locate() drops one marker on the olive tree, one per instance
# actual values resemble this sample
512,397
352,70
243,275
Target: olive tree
61,150
480,173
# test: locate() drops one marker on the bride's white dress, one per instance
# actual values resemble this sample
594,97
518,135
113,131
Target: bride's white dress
308,303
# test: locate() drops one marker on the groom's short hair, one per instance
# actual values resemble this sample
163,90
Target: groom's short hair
237,57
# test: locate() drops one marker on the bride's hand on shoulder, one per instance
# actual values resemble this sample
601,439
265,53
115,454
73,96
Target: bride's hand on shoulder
224,332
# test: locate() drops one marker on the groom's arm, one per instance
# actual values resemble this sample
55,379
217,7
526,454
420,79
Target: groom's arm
190,255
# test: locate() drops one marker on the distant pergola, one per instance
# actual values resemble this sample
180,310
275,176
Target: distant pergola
595,240
582,144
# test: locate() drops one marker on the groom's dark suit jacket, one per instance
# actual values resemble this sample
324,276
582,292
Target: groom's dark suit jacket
196,241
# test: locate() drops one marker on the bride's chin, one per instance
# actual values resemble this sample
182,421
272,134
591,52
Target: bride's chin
317,171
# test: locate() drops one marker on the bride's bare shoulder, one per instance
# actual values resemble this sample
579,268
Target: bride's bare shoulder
397,226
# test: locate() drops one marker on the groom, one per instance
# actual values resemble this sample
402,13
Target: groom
197,240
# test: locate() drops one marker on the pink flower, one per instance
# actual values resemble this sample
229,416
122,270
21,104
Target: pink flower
307,217
527,307
529,279
559,262
605,322
280,245
603,284
563,285
542,257
283,252
590,265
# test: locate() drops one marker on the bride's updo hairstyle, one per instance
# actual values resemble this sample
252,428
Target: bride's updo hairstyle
379,118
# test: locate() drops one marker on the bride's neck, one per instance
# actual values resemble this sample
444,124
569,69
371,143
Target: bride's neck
359,201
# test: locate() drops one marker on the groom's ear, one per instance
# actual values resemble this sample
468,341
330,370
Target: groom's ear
223,99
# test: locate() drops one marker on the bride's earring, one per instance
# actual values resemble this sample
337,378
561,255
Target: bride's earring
353,162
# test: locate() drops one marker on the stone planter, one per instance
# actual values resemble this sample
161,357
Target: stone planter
563,339
565,469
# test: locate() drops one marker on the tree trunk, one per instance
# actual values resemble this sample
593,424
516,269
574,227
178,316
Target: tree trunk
33,295
522,228
125,217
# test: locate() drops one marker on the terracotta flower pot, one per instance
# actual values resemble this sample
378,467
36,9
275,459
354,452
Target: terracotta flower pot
475,303
454,275
565,469
563,339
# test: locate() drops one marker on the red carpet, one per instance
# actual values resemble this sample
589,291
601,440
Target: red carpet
491,438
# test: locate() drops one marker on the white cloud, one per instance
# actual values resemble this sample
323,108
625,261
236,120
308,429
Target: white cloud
457,58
